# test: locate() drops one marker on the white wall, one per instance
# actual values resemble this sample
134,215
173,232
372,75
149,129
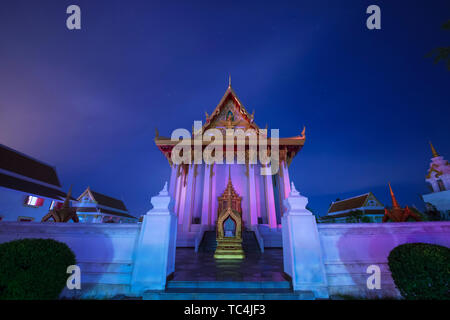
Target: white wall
104,252
348,249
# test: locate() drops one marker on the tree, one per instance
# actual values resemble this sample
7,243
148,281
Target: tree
431,213
441,53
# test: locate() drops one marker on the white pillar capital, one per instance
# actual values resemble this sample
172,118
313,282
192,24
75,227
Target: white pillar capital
296,203
162,203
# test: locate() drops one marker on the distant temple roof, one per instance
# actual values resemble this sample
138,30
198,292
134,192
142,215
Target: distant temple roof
14,161
23,173
107,201
347,204
30,187
353,203
104,204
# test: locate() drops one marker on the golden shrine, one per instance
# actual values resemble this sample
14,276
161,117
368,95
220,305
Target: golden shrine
229,225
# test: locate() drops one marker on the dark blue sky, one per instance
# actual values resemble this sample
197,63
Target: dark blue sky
88,101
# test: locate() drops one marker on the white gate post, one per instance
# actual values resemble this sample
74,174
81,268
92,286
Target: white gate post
302,253
155,251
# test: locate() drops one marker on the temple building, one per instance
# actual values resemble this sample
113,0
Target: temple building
438,179
367,205
29,188
94,207
196,187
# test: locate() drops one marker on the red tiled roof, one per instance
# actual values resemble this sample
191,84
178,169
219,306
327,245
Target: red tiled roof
348,204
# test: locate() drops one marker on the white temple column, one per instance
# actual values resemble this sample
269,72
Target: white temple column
206,208
190,196
284,184
213,198
270,202
173,181
178,185
286,181
252,207
182,195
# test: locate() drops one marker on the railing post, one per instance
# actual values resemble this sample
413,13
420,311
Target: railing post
155,251
302,253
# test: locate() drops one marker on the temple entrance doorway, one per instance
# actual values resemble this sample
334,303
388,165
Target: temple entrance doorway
230,253
229,227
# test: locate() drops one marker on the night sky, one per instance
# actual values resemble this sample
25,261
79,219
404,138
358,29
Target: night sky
88,101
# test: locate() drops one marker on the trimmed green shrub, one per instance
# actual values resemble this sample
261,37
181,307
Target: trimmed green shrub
421,271
34,269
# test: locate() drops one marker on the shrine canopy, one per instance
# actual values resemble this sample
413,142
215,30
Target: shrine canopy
230,113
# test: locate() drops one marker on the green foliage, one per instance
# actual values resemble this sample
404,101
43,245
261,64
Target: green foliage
422,215
33,269
421,271
442,53
433,214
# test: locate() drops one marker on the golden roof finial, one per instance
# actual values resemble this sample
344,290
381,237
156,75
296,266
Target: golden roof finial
229,80
394,200
433,150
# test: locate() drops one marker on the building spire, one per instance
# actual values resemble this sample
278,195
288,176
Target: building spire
394,201
66,203
229,80
433,150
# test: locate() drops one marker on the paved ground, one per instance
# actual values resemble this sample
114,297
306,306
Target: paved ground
201,266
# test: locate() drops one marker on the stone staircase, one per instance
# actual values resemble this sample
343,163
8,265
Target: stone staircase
228,290
209,242
249,242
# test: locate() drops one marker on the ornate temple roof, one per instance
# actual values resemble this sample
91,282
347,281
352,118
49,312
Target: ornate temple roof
230,113
230,107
